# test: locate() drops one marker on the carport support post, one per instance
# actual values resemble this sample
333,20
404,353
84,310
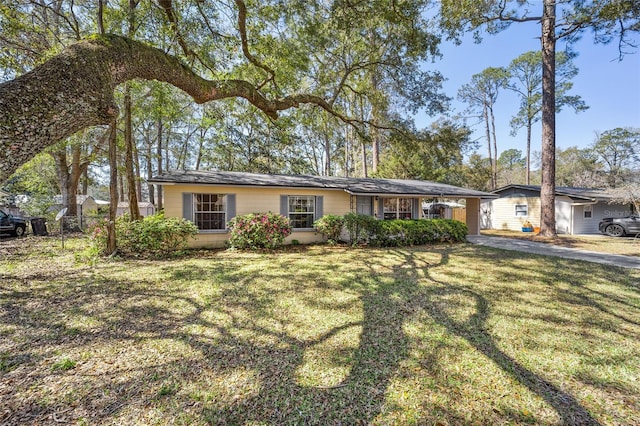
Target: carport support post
473,216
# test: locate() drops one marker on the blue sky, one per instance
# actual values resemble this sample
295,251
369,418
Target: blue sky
611,88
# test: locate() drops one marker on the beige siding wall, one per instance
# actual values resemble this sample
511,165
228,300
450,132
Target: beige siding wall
254,200
472,216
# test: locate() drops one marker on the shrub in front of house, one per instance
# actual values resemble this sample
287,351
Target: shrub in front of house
153,236
258,230
360,227
330,226
394,233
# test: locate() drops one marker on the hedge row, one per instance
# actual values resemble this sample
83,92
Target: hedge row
363,229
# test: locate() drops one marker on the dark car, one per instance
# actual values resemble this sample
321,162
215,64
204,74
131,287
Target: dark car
12,224
620,226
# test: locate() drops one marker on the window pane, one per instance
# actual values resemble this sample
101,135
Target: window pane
405,205
210,211
522,210
301,210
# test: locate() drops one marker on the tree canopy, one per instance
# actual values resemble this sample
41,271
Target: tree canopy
274,55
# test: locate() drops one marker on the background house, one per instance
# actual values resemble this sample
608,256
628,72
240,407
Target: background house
86,204
211,199
578,210
145,208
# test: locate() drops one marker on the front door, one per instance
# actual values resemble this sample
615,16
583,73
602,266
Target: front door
364,205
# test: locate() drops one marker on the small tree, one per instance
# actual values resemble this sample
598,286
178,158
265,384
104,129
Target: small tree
481,95
525,79
331,226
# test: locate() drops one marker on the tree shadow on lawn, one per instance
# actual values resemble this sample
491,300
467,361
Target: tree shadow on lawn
243,344
474,330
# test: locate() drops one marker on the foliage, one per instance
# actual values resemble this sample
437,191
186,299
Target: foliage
364,229
331,226
153,236
511,167
397,233
360,227
618,152
429,154
475,173
259,230
578,168
35,178
525,79
37,205
481,95
358,57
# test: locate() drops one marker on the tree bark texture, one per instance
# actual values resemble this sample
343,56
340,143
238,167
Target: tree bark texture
529,125
74,90
113,190
548,186
160,129
485,114
134,211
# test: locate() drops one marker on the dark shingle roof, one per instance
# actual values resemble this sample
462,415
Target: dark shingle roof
591,194
362,186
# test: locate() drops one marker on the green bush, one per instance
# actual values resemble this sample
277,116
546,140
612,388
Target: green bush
393,233
331,226
259,230
153,236
360,227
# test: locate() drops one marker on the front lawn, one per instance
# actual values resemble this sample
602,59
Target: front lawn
450,334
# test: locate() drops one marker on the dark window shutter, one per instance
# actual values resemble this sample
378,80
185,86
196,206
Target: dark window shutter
415,208
187,206
284,205
380,208
319,207
231,206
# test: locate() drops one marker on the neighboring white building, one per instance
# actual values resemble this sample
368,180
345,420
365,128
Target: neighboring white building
578,210
86,204
145,208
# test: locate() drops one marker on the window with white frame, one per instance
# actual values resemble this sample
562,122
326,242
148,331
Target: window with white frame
397,208
301,211
522,210
588,211
209,211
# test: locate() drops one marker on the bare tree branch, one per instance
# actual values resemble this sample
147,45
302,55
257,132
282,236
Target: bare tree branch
242,27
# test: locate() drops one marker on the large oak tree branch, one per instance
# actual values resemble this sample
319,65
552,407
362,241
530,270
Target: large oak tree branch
74,90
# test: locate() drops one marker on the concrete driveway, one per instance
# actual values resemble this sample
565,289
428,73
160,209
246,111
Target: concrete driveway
551,250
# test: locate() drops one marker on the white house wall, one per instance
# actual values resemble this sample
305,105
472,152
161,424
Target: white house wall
600,210
563,215
501,213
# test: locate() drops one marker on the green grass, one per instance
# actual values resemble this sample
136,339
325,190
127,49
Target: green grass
451,334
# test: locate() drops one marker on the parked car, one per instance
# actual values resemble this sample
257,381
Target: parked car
620,226
12,224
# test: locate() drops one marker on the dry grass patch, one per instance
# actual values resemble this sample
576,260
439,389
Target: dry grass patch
627,246
316,335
